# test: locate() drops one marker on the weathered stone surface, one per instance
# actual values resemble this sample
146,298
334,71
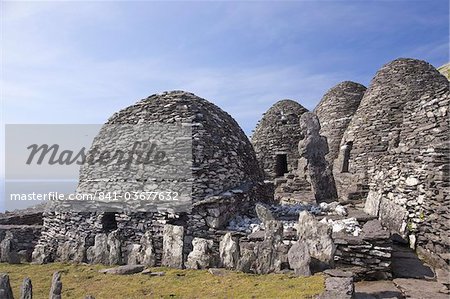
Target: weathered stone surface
8,253
201,256
278,132
100,250
26,289
398,154
229,251
247,258
226,177
266,256
335,112
317,238
217,271
173,237
56,287
271,254
143,253
148,251
299,259
39,255
134,254
114,244
338,273
273,231
263,213
373,230
124,270
338,287
5,287
420,289
377,289
313,148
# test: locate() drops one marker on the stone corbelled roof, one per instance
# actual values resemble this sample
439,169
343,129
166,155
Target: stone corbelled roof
222,155
335,112
278,131
377,123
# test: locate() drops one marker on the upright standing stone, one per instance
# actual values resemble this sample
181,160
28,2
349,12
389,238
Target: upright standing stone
313,148
26,290
115,254
173,246
201,256
100,250
5,287
317,238
247,257
148,251
7,252
270,253
299,259
228,251
56,288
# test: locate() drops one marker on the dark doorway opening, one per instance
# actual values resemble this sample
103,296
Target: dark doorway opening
109,222
345,161
281,166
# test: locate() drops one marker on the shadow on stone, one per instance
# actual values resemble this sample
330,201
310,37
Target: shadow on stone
406,264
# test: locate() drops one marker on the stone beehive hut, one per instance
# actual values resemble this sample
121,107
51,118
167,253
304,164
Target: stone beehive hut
225,179
276,137
376,126
396,147
335,112
222,156
409,185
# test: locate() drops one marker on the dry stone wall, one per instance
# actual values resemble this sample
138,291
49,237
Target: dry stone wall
278,133
377,124
226,179
335,112
409,185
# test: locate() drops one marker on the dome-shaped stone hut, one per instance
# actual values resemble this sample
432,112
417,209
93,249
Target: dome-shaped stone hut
222,155
276,137
224,177
335,112
376,125
396,147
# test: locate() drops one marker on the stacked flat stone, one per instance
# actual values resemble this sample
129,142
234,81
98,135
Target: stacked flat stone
222,156
226,179
278,132
335,112
409,185
378,121
368,255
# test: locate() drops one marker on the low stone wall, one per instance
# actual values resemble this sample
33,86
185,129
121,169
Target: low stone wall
409,186
368,256
17,242
67,236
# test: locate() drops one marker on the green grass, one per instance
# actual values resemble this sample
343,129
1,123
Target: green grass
81,280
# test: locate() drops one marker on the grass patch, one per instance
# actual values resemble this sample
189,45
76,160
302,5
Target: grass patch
81,280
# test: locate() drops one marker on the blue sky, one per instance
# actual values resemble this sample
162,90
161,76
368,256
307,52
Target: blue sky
81,61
